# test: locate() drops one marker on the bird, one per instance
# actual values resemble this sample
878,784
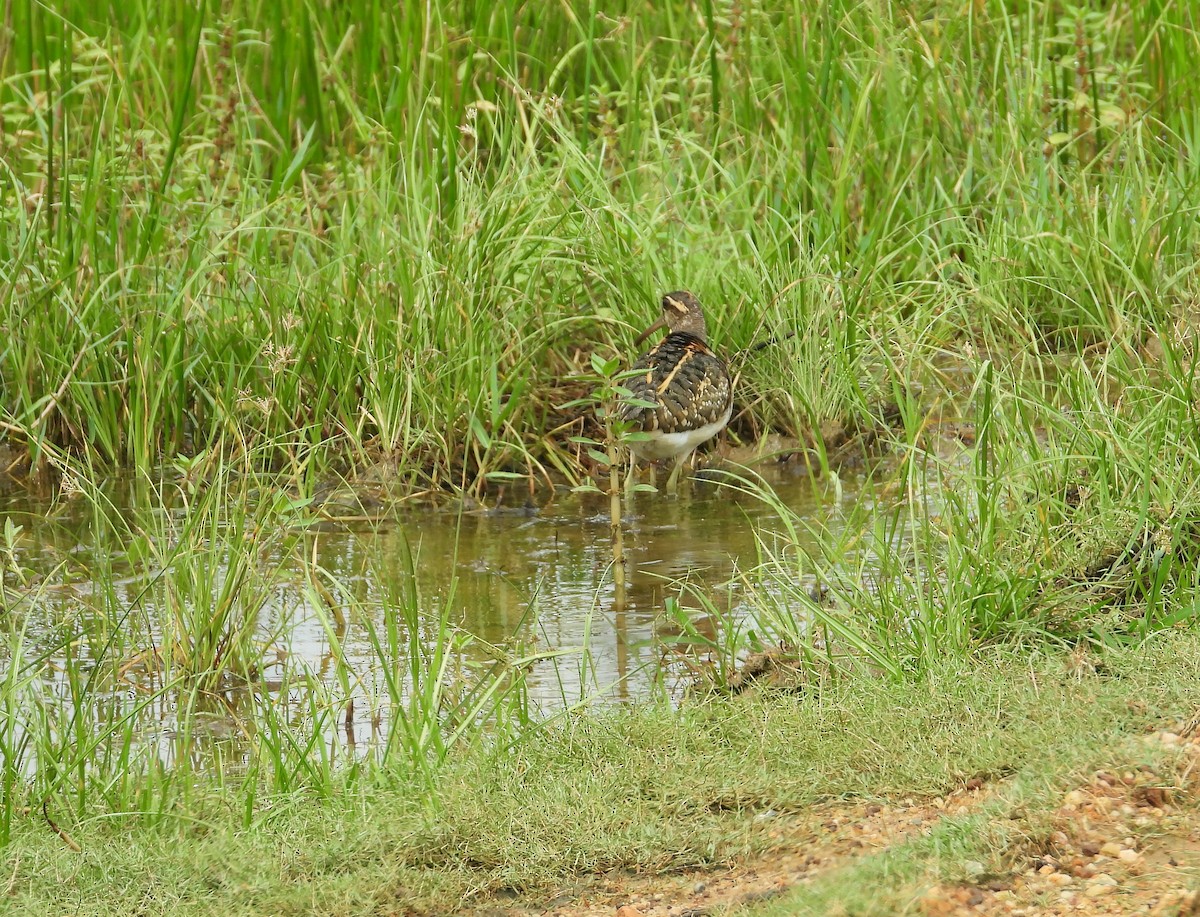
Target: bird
680,392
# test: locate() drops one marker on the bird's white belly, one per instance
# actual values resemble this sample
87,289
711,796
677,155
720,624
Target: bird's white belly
659,445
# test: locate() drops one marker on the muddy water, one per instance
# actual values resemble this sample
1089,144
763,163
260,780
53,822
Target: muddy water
529,579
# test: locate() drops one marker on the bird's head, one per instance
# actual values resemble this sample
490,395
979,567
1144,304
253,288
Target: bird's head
680,312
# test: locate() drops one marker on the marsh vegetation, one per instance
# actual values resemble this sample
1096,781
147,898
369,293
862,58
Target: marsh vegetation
293,293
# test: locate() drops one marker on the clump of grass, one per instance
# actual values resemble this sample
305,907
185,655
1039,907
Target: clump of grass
411,222
173,684
1070,517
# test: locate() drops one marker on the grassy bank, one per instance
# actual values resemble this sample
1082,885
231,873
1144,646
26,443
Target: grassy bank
352,231
641,789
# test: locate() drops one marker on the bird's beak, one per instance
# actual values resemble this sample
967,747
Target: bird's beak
661,323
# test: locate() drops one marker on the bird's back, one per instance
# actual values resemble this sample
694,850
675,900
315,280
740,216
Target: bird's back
687,382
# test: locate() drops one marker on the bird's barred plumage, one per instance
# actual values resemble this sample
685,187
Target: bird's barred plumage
688,385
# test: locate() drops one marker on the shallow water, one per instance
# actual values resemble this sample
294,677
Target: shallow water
530,579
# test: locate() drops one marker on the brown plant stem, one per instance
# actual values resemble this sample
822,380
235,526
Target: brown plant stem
614,518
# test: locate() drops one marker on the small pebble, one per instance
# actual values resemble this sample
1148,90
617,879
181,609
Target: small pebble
699,888
1102,881
1089,848
1098,891
1110,849
1059,878
1128,856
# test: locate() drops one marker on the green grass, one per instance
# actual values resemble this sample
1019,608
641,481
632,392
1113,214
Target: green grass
647,788
252,246
162,681
365,230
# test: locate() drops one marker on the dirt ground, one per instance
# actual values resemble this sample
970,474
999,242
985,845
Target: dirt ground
1123,842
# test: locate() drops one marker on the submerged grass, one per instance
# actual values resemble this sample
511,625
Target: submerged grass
154,677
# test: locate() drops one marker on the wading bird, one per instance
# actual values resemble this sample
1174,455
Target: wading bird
682,392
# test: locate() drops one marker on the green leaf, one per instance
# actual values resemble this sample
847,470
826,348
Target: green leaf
293,505
586,489
480,432
640,402
590,399
12,531
505,476
599,457
298,160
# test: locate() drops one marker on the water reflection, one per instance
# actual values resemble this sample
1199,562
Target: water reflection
519,581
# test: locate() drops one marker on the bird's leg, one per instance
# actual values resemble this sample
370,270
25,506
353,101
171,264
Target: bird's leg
673,481
676,473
